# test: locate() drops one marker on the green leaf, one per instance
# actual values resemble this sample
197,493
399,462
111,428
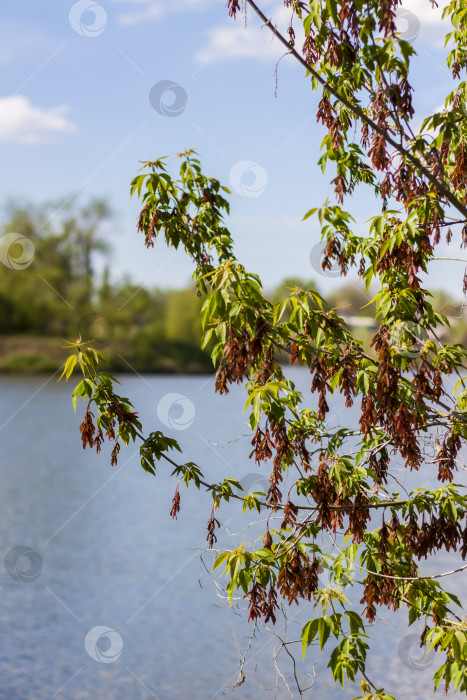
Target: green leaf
74,398
309,633
310,212
324,630
69,367
220,559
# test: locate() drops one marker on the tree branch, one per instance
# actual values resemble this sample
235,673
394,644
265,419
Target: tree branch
360,113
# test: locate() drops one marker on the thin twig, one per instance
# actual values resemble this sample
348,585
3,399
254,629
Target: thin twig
359,112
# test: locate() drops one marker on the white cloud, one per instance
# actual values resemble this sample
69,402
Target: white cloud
239,42
425,11
235,40
144,10
21,122
419,19
426,22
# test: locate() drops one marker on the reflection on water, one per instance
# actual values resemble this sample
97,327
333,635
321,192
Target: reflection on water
104,596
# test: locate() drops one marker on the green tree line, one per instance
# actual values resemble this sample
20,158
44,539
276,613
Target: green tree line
58,294
50,290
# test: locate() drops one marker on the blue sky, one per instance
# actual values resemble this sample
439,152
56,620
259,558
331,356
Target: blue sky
75,117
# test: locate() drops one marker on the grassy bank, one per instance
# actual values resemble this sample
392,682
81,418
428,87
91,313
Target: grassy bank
32,354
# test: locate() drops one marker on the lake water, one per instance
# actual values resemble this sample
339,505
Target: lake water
109,597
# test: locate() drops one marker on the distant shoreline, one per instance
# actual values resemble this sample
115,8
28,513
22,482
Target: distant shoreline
35,355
